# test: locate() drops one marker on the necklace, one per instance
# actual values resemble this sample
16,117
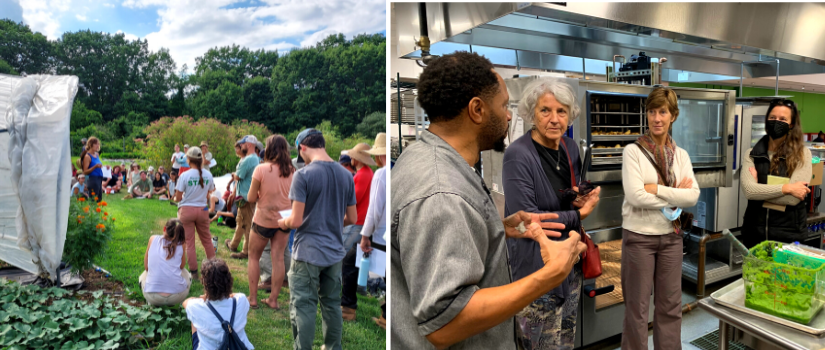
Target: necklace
558,158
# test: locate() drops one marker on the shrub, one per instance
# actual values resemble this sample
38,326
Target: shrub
89,231
164,133
121,155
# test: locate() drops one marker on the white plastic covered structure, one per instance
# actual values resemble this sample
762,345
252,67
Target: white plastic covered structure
35,170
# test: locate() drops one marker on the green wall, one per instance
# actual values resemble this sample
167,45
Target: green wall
811,105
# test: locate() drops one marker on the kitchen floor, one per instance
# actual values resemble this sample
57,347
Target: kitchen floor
695,323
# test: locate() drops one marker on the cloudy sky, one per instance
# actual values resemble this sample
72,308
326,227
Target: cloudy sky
190,27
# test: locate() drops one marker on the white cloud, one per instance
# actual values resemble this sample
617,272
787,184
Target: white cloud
106,4
128,36
81,18
42,15
188,28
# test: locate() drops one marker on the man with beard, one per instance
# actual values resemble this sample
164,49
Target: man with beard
451,284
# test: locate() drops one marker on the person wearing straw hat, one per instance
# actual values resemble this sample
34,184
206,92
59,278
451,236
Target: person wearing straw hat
361,161
372,233
207,156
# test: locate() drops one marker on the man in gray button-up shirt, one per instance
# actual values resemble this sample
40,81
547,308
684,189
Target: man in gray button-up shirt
451,283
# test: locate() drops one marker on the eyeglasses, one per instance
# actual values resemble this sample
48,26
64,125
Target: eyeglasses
783,102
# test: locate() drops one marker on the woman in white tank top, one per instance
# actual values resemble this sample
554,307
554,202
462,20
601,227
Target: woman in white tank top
164,281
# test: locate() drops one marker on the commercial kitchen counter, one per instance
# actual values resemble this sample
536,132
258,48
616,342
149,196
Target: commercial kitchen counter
765,332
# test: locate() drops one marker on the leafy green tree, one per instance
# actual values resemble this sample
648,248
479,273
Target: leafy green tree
83,117
373,124
225,103
257,94
5,68
23,50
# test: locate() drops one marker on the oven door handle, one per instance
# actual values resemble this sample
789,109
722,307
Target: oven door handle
591,290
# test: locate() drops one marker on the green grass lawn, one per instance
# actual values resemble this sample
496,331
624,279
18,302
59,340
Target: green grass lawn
137,220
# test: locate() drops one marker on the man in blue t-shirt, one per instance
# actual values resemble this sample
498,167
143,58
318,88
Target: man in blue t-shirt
323,202
246,210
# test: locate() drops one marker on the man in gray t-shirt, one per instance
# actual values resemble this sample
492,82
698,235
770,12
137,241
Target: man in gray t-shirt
323,202
451,284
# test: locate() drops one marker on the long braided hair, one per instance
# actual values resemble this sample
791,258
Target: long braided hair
196,163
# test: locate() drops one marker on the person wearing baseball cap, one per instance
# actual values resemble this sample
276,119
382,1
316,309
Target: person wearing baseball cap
363,178
375,227
323,197
246,210
191,192
346,162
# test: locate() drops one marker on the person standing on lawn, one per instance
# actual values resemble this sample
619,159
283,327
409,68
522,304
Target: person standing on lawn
361,161
90,163
164,280
323,201
207,156
375,224
346,162
191,190
271,182
178,158
243,175
184,167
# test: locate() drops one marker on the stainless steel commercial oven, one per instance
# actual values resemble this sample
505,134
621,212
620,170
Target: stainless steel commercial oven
613,116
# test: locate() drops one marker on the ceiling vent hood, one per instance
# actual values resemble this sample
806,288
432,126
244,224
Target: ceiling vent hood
710,38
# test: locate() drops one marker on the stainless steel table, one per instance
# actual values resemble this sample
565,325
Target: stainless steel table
761,329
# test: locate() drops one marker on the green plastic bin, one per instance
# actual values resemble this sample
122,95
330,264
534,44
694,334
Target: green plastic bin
790,292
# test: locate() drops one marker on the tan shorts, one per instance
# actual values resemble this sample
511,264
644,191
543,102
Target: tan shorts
158,299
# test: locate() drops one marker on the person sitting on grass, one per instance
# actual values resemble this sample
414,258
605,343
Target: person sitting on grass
170,185
228,216
79,189
163,173
216,204
165,281
207,332
160,187
132,177
114,184
142,188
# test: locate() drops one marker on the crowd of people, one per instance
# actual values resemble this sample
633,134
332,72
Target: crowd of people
297,222
463,278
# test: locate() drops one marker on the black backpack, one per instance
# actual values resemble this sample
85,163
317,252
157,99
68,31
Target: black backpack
231,341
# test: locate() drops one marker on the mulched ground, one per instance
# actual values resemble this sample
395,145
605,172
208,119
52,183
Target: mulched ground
97,281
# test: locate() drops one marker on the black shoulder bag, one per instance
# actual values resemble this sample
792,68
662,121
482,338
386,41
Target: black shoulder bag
231,341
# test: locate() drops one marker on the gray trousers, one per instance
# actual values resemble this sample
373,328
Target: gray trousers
309,284
266,262
652,263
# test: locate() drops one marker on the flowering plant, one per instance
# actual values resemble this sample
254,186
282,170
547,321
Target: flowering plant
88,232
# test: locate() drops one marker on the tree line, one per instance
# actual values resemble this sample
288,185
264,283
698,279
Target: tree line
124,86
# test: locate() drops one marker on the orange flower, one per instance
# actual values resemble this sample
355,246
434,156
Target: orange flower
113,219
98,210
78,221
86,209
105,213
103,203
81,199
95,196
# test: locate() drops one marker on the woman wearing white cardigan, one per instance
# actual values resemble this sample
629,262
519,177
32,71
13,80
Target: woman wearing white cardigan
651,244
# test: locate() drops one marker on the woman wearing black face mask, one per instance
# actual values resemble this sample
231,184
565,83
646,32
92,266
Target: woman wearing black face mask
780,153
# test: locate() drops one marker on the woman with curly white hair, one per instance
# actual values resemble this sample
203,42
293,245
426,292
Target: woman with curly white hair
542,175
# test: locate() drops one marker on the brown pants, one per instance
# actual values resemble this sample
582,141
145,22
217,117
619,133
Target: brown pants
195,219
244,222
652,262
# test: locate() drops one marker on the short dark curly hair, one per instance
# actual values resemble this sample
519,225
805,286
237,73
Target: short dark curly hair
216,279
449,83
